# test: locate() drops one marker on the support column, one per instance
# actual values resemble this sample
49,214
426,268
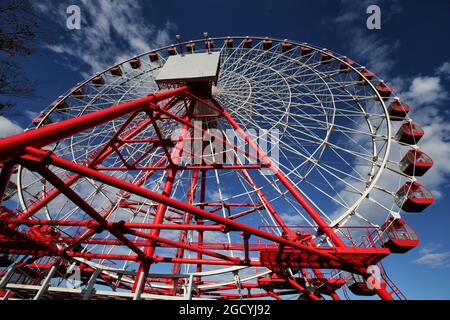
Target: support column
383,294
90,286
45,284
188,288
140,284
187,218
161,210
8,276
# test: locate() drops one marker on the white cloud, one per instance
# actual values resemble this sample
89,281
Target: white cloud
429,256
426,95
374,51
436,143
348,16
111,31
444,69
293,219
8,128
31,114
425,90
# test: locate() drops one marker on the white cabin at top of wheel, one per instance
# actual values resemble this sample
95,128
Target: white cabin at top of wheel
191,69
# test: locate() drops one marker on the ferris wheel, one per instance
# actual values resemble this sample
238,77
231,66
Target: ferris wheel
305,163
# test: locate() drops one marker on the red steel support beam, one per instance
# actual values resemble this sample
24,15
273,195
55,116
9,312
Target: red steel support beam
75,198
175,244
283,179
383,294
287,183
302,290
190,197
27,146
199,220
129,225
264,200
161,210
16,145
105,152
70,166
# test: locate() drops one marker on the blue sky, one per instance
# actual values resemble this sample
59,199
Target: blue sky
410,51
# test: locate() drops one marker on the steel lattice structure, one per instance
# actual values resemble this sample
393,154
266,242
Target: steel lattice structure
101,184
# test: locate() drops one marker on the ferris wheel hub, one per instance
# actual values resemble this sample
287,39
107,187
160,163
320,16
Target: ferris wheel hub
196,69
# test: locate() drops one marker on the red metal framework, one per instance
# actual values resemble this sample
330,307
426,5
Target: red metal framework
311,261
26,150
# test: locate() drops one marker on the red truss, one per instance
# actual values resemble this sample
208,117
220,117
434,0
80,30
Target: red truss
51,252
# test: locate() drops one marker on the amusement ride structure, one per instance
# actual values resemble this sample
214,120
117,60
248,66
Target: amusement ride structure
119,190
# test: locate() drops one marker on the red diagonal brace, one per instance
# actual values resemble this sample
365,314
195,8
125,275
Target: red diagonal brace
68,165
15,145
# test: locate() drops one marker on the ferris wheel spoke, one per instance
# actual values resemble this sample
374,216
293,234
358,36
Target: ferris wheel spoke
328,144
